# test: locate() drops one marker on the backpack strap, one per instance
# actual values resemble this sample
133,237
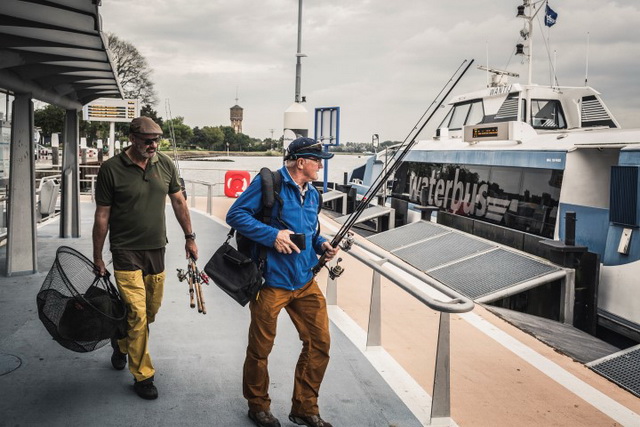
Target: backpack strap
277,186
271,184
267,194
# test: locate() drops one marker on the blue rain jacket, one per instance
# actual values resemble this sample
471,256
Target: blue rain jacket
288,271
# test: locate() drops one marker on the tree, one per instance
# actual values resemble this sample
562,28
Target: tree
50,119
183,132
148,111
95,130
132,70
214,137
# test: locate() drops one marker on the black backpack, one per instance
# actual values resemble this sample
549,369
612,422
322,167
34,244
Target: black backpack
271,186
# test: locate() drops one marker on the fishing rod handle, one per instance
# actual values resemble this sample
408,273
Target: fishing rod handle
198,297
192,303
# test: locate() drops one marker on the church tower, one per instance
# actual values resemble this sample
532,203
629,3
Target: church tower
236,117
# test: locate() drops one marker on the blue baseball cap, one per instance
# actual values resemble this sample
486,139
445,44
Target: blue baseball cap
306,147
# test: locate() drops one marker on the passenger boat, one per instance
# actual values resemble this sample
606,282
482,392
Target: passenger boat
520,162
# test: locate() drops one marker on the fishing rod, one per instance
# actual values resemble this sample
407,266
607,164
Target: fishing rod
172,135
382,179
195,278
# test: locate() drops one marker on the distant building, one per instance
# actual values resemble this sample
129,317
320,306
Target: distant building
236,118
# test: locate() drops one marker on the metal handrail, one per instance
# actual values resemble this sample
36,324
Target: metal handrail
210,195
458,303
402,265
441,395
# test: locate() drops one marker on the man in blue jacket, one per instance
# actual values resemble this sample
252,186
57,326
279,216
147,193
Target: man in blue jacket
289,284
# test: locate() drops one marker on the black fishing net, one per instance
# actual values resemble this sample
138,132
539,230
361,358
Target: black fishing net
81,310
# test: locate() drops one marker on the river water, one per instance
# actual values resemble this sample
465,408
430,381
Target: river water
213,170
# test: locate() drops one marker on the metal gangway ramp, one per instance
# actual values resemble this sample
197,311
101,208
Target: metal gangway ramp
477,268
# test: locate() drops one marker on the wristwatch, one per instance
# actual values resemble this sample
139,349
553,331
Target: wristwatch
191,236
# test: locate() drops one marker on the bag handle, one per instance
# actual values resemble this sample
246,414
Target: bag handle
230,234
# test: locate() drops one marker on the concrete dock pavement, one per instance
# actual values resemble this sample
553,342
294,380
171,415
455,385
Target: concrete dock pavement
198,358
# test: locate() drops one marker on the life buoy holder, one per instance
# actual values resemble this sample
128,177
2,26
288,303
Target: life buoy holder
235,182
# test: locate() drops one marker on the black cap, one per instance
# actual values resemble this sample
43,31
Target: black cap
306,147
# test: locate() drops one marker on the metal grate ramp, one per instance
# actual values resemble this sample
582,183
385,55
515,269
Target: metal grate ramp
491,272
623,368
474,267
407,235
441,250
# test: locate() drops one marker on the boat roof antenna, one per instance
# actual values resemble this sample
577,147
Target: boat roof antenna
498,77
586,69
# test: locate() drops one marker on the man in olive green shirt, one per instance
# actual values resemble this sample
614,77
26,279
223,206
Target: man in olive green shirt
131,194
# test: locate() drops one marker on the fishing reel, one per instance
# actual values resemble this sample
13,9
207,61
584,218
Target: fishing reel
336,271
182,275
204,277
347,242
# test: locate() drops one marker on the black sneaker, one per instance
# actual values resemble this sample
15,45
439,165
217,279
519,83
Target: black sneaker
264,419
118,359
309,420
145,389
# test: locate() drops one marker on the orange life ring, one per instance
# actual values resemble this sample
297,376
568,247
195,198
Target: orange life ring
235,182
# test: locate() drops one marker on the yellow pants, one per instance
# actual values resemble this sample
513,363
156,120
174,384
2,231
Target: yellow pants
143,296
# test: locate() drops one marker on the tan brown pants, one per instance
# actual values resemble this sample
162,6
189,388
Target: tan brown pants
307,309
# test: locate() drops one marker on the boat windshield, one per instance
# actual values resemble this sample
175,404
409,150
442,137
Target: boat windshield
547,114
465,113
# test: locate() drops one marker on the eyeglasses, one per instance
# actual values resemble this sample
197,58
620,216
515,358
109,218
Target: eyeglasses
147,141
318,161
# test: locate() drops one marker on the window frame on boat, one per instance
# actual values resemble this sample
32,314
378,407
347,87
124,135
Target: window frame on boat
472,108
472,112
557,119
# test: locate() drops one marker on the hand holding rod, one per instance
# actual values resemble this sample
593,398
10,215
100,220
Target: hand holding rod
400,154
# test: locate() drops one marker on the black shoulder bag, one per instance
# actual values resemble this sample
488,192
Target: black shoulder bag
234,272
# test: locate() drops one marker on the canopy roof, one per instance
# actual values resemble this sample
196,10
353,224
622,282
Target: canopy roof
55,50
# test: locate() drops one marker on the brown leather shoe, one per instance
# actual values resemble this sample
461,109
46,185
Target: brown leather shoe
264,419
309,420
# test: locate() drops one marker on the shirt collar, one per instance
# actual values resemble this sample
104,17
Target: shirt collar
302,189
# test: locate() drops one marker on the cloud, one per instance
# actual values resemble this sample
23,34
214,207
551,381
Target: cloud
382,62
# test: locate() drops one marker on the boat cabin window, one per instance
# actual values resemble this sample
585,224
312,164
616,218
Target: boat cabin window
508,111
547,114
593,113
466,113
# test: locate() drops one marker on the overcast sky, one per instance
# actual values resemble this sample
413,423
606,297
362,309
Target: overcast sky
382,62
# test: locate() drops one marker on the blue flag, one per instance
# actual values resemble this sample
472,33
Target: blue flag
550,17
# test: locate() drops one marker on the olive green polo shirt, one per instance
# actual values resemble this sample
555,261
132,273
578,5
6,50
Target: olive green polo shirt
137,198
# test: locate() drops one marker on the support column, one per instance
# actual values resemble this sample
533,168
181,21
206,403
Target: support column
21,214
70,201
112,139
441,396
